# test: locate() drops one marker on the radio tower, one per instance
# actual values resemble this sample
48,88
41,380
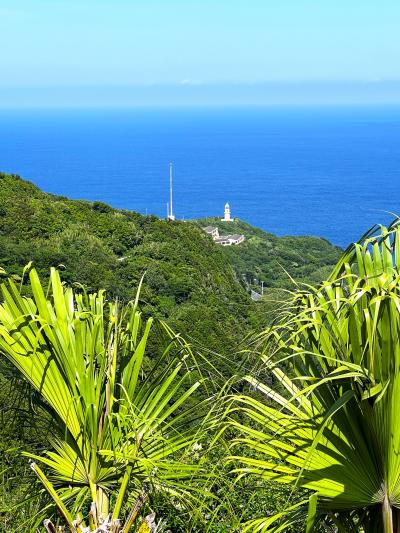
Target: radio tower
171,215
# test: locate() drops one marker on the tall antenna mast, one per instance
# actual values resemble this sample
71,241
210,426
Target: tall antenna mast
171,215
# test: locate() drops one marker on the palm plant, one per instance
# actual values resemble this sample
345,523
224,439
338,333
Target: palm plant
122,423
329,422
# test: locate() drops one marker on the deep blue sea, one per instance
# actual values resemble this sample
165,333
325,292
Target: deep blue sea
331,172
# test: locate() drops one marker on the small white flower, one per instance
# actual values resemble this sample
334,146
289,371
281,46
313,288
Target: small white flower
197,447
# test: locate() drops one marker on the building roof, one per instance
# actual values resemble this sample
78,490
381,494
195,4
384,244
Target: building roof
256,296
227,238
235,236
209,229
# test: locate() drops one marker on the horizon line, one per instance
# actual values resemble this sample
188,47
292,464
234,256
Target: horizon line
198,83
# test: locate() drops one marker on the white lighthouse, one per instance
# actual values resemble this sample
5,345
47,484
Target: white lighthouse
227,214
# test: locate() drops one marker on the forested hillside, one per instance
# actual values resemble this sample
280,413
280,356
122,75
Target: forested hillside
188,280
200,288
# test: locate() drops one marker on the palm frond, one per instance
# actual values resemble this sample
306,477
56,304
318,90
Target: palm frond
122,417
329,422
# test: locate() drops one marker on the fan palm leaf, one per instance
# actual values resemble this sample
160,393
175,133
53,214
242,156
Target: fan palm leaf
121,421
330,421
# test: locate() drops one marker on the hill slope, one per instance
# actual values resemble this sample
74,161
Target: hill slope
199,287
274,260
188,279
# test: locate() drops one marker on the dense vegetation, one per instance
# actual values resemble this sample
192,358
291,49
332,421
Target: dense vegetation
317,414
199,288
187,278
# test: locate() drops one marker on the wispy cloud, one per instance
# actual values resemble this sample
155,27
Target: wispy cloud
188,81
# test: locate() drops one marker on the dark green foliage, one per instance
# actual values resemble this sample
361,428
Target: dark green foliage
187,278
101,207
22,427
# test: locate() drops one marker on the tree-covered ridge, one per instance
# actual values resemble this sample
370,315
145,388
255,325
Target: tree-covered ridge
198,286
274,260
188,279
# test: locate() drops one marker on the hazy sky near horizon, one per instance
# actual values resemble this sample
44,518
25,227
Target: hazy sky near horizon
128,42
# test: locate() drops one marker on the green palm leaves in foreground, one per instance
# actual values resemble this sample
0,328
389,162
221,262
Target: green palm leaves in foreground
120,421
330,423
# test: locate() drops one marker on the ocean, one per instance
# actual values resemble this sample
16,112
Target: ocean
331,172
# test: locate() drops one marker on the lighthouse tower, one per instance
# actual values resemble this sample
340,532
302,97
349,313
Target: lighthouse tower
227,214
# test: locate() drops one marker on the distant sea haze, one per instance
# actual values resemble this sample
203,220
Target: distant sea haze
329,171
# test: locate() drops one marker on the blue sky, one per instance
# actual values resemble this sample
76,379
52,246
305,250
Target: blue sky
59,43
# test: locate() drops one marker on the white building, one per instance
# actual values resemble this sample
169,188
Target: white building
228,240
212,231
227,214
224,240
